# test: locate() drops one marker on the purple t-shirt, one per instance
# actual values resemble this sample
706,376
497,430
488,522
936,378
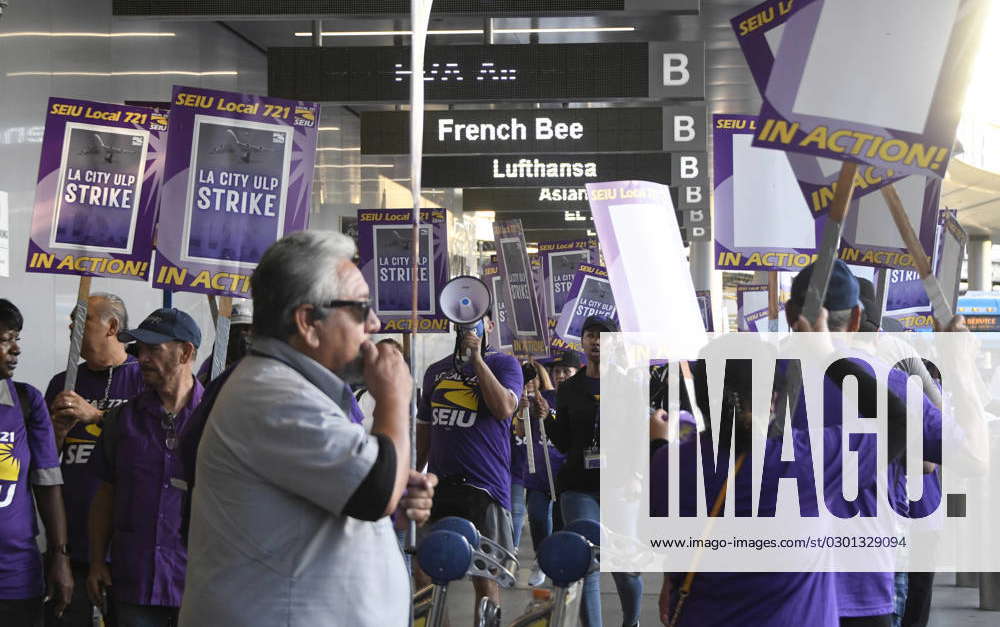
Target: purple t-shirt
539,479
466,438
103,389
518,459
25,450
872,594
148,556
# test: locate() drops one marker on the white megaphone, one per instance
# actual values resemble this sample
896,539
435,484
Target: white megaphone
465,300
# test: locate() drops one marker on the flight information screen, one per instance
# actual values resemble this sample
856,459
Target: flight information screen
457,73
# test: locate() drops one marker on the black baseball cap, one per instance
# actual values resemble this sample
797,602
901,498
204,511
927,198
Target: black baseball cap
602,322
164,325
568,359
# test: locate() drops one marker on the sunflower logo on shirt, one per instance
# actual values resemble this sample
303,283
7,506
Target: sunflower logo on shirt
454,403
10,466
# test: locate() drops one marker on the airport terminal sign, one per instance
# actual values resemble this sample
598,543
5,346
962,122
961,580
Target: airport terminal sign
528,131
672,70
544,170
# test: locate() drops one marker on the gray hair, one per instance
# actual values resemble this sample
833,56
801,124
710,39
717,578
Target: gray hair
115,308
839,320
298,269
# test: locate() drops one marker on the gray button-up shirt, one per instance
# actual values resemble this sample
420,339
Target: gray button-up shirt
269,544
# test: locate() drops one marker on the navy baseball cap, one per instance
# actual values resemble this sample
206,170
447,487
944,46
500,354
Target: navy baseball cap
602,322
841,293
568,359
164,325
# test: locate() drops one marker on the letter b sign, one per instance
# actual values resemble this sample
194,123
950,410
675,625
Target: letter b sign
677,69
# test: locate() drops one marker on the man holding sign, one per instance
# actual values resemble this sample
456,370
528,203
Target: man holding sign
463,433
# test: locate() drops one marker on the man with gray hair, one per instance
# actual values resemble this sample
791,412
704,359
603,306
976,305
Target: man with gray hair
107,378
289,517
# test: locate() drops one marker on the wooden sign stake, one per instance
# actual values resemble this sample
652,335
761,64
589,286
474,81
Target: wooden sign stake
221,335
816,293
772,301
76,337
939,304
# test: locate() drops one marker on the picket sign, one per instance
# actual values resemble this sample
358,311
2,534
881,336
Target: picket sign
76,338
221,335
939,304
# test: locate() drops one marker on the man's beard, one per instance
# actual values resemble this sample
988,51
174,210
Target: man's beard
353,373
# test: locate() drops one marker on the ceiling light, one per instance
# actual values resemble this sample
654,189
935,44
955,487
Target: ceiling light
103,35
329,128
132,73
337,149
474,31
566,29
390,33
357,165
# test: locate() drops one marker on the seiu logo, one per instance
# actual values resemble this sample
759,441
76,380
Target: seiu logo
7,497
77,453
448,417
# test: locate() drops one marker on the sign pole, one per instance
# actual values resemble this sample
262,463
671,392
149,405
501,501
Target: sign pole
816,293
772,301
420,15
76,338
213,307
221,335
939,304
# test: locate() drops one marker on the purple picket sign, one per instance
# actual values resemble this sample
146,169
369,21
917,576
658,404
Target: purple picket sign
907,301
99,179
637,228
384,240
870,236
761,220
238,178
502,337
591,295
559,263
518,281
819,101
759,31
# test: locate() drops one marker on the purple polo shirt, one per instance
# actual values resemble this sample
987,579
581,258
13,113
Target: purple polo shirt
539,480
104,389
148,556
27,457
466,438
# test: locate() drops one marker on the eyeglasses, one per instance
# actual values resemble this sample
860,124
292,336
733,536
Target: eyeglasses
169,424
361,307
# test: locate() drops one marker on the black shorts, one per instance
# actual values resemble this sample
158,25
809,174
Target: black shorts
456,498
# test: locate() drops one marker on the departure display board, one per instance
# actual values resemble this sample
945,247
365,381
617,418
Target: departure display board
527,131
182,8
562,72
545,170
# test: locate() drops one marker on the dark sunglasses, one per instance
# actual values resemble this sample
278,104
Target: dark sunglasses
360,307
